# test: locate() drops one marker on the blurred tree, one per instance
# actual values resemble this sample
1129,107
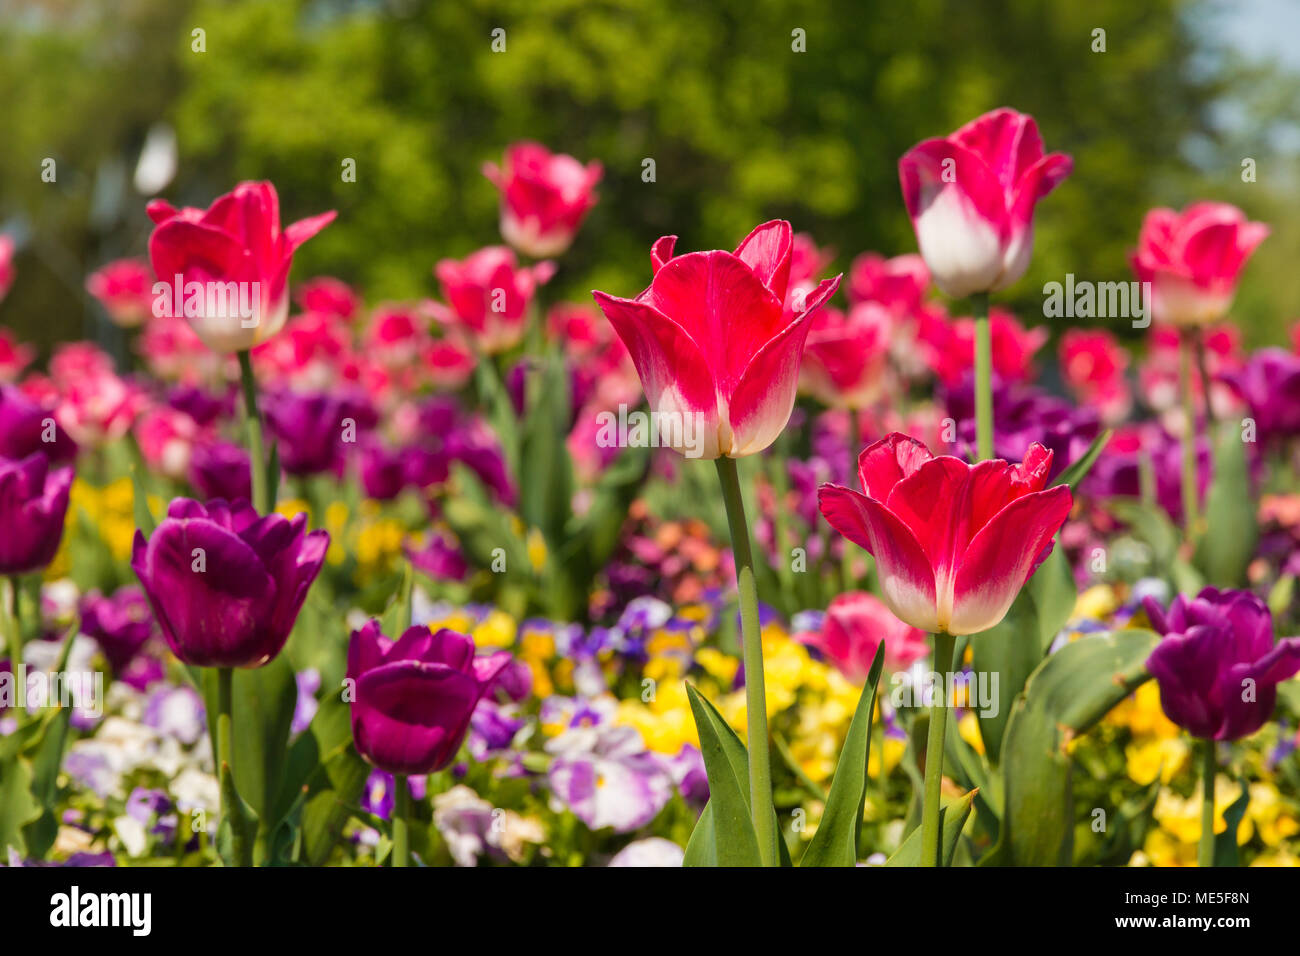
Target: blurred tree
740,124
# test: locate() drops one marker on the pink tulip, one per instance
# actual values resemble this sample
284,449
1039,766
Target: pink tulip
953,542
488,294
6,265
1013,346
544,197
123,288
1093,364
899,284
712,345
844,358
14,356
235,240
1193,260
330,296
854,627
971,197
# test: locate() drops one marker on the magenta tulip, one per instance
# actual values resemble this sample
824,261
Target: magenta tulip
226,584
225,249
33,503
972,195
953,542
414,696
1193,260
488,294
718,359
855,625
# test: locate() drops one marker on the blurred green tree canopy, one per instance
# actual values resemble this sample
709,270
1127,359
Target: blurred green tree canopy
741,126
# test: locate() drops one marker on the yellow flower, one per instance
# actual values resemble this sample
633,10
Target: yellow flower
969,728
1098,603
1165,756
536,550
1270,816
721,667
1142,714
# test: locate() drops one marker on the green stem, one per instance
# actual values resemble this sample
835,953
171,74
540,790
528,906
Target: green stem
1191,499
1204,369
225,677
401,818
983,378
931,834
760,769
14,638
1205,852
253,431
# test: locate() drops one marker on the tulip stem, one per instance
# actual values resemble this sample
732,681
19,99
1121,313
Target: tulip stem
401,816
225,679
983,378
1209,767
253,430
760,769
14,636
931,834
1191,497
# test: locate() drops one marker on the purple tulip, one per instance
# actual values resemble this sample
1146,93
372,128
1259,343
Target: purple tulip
382,470
1218,666
225,584
221,470
33,502
414,697
313,429
119,624
26,427
440,559
1270,385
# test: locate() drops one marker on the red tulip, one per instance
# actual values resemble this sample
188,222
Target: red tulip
845,355
488,293
1093,364
1193,260
899,284
971,197
544,197
717,358
854,626
235,240
952,346
6,264
953,542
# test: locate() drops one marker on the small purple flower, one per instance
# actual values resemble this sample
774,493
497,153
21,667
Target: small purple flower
304,710
26,428
221,470
687,769
1269,383
652,851
120,624
314,429
491,729
176,711
607,778
226,584
1218,665
440,559
33,502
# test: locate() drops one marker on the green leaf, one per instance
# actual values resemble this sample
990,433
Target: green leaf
546,476
236,832
836,841
263,700
1018,644
952,817
1079,468
725,763
398,616
273,478
1064,697
1228,544
1225,843
18,809
144,519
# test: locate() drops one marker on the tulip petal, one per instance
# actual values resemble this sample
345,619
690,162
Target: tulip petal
767,251
1186,666
299,232
885,463
1002,556
661,252
907,579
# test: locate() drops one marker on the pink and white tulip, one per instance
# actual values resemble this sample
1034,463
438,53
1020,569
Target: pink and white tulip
544,197
488,294
972,195
712,344
954,543
1194,259
855,625
235,240
123,287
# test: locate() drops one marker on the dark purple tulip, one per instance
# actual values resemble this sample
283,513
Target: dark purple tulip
414,697
1218,666
26,427
1270,385
225,584
119,624
221,470
201,405
33,503
382,470
313,430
